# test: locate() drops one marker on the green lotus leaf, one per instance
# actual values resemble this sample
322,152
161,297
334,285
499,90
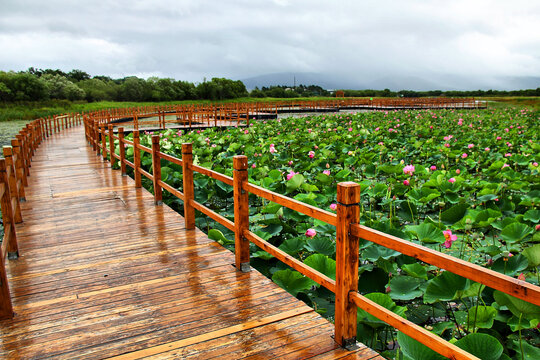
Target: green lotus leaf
483,346
515,232
481,317
416,350
322,264
292,281
405,288
322,245
445,287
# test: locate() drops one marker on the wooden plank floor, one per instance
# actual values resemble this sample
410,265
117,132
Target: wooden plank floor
104,273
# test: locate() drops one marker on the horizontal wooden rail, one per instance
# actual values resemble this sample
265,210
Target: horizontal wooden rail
130,164
170,158
409,328
212,214
518,288
296,264
172,190
306,209
213,174
144,148
146,174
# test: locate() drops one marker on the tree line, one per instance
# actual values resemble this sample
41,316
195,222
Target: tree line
437,93
37,85
44,84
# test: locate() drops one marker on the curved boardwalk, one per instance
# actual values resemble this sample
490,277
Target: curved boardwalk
105,273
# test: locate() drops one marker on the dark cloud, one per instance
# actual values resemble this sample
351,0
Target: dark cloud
357,42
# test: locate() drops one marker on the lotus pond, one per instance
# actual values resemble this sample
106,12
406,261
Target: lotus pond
465,183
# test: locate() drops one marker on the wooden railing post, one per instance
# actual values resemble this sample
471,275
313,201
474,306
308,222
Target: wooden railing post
111,145
19,169
189,194
241,213
103,142
22,156
7,213
122,150
156,170
95,136
137,159
6,308
348,212
12,178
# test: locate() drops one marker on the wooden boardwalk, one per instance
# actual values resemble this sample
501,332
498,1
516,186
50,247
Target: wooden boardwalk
105,273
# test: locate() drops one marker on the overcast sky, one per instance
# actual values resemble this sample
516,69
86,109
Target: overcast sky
452,43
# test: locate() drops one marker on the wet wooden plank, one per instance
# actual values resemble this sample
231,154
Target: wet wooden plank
104,272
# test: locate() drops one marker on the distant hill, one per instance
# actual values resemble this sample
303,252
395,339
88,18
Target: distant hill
443,82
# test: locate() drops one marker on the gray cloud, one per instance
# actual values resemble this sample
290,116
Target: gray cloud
459,44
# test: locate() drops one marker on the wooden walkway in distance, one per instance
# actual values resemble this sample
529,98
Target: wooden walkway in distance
105,273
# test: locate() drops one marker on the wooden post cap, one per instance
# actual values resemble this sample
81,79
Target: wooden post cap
8,151
187,148
155,139
348,193
135,133
240,162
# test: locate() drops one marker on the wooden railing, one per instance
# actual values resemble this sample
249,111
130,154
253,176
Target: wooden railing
14,172
228,114
348,233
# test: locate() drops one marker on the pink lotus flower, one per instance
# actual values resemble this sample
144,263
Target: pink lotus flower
333,206
246,131
505,166
380,143
311,233
433,167
458,171
535,163
449,238
409,169
290,175
311,154
406,182
350,129
350,153
470,146
326,172
327,165
487,149
253,166
447,145
499,138
507,155
464,155
521,277
272,149
290,162
452,180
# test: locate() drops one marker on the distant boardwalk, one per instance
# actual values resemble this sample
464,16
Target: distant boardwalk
105,273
